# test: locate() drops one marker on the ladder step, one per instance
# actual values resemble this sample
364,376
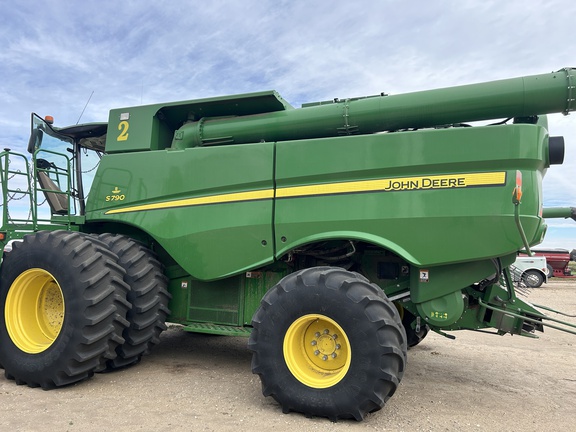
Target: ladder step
217,329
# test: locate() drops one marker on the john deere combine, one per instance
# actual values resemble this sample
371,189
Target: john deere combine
335,235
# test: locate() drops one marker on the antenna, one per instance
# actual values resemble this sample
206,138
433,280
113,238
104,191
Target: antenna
87,102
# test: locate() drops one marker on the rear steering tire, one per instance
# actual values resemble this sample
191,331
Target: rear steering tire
326,342
64,303
148,296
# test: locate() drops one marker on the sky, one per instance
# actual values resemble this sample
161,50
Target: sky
55,55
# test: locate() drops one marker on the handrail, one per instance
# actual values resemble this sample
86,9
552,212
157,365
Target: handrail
7,174
19,183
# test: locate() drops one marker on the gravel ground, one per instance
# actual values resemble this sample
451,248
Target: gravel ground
194,382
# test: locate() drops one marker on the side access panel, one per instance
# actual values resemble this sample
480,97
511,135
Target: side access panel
229,302
209,207
433,197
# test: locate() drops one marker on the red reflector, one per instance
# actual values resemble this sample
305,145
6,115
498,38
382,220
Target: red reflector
518,188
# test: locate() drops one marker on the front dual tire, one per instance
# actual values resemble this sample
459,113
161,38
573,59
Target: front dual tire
148,297
64,303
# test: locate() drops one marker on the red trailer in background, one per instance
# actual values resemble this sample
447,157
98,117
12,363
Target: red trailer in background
557,260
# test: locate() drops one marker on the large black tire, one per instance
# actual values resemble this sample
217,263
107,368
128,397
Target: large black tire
413,337
533,279
326,342
65,308
148,296
550,271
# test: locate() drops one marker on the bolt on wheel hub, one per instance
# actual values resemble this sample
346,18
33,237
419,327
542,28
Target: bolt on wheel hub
325,345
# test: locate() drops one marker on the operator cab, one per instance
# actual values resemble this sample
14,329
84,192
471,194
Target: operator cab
65,161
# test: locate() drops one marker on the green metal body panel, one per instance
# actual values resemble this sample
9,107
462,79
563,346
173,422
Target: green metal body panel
409,216
228,302
439,281
205,239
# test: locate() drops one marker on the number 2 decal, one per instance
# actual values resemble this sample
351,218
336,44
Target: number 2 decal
123,128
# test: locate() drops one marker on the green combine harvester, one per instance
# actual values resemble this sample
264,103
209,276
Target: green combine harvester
335,236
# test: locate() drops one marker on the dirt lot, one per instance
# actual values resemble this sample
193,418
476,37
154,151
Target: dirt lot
203,383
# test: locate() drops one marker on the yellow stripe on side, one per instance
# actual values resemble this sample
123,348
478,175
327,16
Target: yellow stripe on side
397,184
213,199
451,181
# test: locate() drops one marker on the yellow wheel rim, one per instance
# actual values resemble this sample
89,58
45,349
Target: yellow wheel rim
34,311
317,351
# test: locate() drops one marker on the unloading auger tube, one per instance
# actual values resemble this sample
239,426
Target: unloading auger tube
510,98
559,213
